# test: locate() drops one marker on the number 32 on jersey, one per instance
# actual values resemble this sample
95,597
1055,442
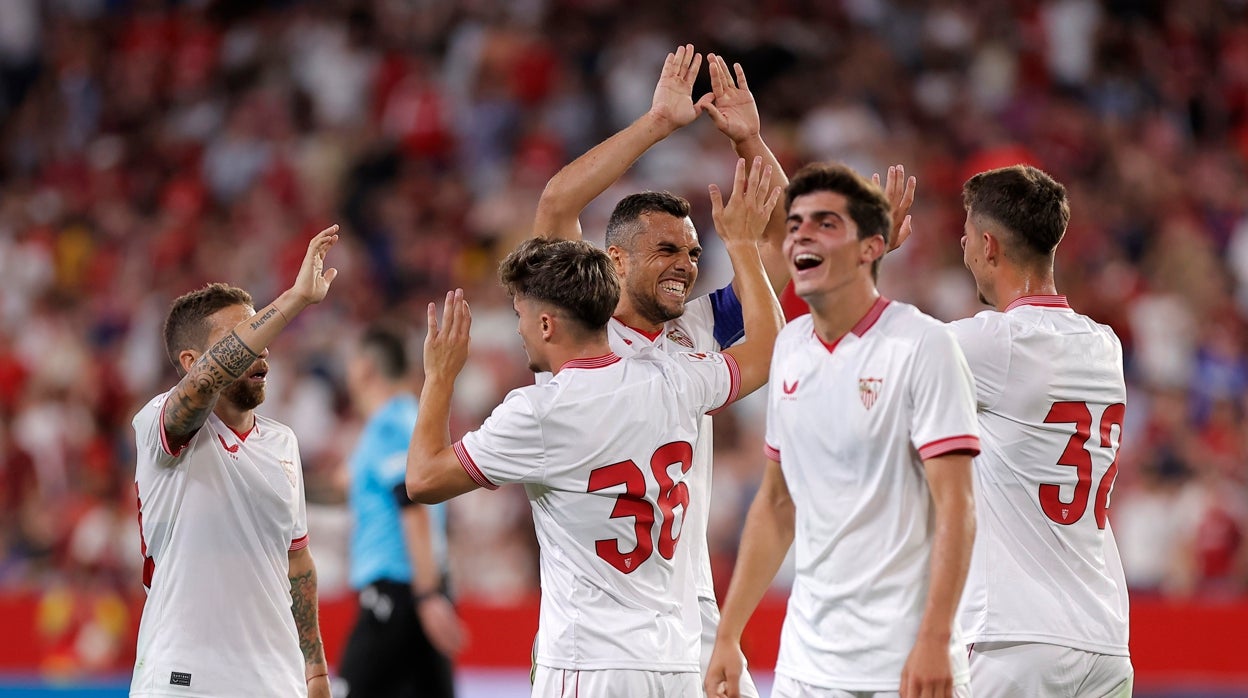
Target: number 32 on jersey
632,502
1078,455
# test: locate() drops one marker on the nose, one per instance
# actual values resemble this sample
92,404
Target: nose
265,353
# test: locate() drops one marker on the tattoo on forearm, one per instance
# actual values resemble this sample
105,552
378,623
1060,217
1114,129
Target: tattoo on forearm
232,355
256,323
303,607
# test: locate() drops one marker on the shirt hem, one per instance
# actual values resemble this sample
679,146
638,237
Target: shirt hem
1060,641
639,665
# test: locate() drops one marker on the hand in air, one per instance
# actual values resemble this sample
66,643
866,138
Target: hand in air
313,280
673,96
730,103
900,194
745,215
446,346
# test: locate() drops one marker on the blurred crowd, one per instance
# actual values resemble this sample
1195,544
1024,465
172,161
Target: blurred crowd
148,147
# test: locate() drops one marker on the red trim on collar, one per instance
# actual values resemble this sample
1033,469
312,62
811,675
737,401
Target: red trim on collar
1044,301
872,316
648,335
242,436
592,362
860,328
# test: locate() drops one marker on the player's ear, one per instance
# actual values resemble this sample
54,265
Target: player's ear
617,258
992,247
186,359
871,249
547,322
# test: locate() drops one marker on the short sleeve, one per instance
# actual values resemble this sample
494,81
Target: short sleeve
149,432
509,447
299,537
729,320
985,342
942,395
716,378
771,433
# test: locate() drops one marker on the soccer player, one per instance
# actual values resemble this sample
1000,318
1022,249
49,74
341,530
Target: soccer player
869,438
231,607
656,251
407,629
1045,605
605,450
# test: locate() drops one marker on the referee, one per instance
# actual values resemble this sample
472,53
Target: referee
407,629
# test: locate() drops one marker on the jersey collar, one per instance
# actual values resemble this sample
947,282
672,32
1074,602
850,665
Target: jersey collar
652,336
592,362
860,328
1044,301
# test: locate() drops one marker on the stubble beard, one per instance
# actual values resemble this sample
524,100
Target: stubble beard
243,394
647,305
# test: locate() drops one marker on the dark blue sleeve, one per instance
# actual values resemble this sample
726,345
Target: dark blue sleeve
729,325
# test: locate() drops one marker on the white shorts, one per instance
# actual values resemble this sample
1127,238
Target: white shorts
614,683
787,687
709,610
1039,670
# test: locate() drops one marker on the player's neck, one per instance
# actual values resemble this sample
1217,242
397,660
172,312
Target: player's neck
236,418
559,356
627,314
836,314
1012,285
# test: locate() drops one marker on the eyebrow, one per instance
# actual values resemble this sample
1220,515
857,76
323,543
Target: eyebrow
816,216
671,247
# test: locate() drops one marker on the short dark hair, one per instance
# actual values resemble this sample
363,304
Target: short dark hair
387,350
625,221
868,206
572,275
1029,204
186,326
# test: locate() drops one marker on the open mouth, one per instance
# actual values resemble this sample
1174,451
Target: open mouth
258,375
675,289
806,261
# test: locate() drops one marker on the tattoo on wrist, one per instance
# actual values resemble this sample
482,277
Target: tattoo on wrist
258,322
303,607
232,355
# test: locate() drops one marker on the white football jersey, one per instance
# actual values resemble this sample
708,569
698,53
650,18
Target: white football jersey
851,425
693,331
1051,397
217,522
605,449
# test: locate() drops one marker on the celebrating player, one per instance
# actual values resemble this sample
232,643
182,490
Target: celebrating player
231,607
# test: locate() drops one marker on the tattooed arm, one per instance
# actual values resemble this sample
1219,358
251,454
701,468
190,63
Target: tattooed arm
207,374
303,606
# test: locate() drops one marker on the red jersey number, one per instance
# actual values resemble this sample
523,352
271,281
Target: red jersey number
632,503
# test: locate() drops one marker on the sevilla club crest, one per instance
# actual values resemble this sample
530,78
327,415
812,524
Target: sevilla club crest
869,390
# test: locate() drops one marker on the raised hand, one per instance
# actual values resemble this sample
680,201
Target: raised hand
673,96
900,194
745,216
446,346
730,103
313,280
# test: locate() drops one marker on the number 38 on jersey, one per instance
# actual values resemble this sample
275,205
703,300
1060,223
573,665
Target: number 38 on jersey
633,502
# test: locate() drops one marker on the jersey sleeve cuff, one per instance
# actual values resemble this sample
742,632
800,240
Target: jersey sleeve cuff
164,438
771,452
734,376
470,467
299,543
965,443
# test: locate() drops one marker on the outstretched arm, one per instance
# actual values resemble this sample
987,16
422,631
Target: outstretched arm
434,473
304,607
188,405
739,224
732,107
573,187
765,541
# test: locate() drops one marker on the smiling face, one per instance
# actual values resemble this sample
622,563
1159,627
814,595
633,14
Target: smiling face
822,248
247,391
658,273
